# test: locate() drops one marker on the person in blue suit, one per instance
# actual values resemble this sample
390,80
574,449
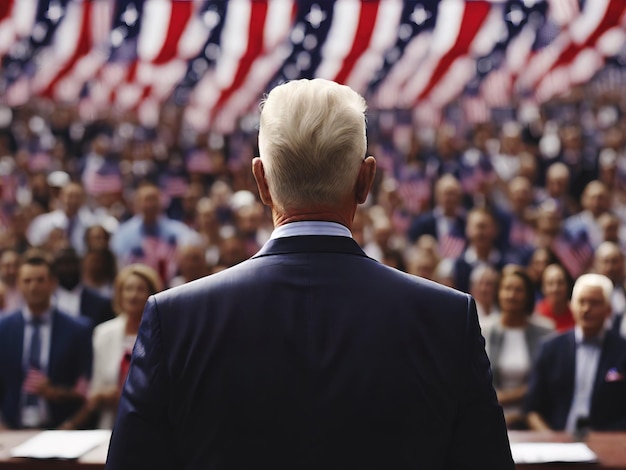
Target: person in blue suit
310,355
72,296
579,378
45,355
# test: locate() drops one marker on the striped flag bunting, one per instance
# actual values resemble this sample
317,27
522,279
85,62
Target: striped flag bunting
216,58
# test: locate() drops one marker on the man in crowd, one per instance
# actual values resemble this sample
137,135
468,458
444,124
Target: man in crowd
446,222
481,232
45,355
150,237
578,380
72,296
9,265
72,216
310,355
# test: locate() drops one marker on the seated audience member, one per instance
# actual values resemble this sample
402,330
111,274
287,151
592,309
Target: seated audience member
481,231
556,286
45,354
483,287
423,257
572,250
72,296
595,201
446,221
99,269
9,266
520,233
150,237
192,264
208,228
513,341
608,260
113,342
557,188
97,238
540,259
578,377
394,258
610,227
444,273
72,218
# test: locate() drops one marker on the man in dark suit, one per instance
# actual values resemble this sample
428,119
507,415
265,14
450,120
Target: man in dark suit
446,222
579,378
72,296
45,355
310,355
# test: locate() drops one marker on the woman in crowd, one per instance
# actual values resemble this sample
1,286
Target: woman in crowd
113,342
512,342
556,286
483,285
99,268
540,258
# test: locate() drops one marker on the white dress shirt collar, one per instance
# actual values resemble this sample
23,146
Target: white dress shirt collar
578,335
295,229
45,317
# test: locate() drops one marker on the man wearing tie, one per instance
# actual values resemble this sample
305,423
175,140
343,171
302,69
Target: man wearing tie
579,378
44,353
310,355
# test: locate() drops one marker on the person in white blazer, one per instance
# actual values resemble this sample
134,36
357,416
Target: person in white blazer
113,341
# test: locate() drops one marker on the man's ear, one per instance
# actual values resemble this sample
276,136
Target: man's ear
261,181
365,179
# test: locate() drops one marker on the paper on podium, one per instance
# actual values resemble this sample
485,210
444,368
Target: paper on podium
550,452
61,444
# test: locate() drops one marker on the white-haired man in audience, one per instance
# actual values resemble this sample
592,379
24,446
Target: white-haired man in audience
579,378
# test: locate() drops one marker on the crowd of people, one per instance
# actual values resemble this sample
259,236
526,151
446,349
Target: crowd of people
97,216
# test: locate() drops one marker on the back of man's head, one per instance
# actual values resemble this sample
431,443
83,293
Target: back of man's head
312,141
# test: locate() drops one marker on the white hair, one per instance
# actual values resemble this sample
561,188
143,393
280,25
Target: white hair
312,141
594,280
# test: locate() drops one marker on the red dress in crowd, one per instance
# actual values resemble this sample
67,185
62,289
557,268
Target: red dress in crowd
562,321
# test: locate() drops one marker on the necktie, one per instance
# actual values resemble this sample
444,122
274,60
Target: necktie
34,356
71,224
34,359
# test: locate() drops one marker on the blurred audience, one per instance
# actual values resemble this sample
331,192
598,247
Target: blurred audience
512,342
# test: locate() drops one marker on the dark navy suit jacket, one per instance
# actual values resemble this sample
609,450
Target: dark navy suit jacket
95,306
426,224
70,358
310,355
551,387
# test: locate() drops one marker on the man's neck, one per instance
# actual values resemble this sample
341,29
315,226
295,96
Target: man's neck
39,310
314,215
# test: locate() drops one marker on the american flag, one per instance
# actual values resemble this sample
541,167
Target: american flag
451,246
215,58
574,255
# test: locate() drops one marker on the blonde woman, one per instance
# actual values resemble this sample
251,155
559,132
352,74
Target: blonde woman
113,341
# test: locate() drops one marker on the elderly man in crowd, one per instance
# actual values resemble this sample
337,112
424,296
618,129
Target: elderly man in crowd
578,380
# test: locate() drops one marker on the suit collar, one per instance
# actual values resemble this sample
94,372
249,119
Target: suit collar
310,244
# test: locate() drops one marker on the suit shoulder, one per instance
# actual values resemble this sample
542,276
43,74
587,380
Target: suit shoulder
433,289
10,320
556,342
69,323
105,328
92,294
